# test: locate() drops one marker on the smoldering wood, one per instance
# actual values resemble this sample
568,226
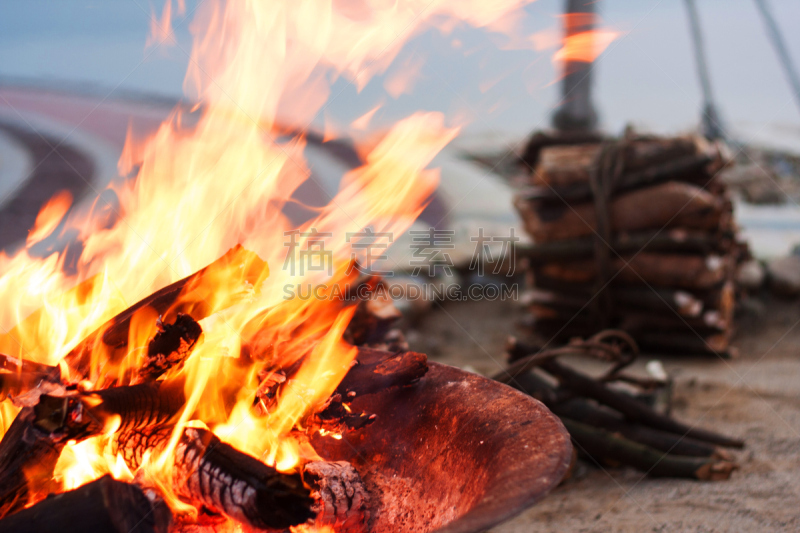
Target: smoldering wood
670,205
32,445
334,417
24,366
341,499
13,384
378,370
28,457
202,286
84,414
102,506
170,347
607,448
211,473
19,376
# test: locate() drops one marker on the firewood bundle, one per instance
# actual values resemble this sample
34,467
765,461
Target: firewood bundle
635,234
613,425
140,416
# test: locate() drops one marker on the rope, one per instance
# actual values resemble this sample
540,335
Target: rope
606,172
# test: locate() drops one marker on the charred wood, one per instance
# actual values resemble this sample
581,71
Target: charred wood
84,414
199,288
336,417
24,366
170,347
208,472
102,506
28,456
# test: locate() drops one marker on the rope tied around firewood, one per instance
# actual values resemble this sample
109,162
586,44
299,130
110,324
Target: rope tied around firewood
606,172
610,345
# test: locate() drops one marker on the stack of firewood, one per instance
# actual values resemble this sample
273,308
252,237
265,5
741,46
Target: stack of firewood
636,234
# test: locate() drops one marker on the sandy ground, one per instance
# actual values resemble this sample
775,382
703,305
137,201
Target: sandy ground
754,396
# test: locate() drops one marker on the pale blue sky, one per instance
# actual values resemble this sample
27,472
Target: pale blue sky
647,76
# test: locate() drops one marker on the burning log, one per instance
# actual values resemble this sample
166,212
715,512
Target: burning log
102,506
23,376
236,273
206,471
28,456
342,501
23,366
170,347
622,429
85,414
32,445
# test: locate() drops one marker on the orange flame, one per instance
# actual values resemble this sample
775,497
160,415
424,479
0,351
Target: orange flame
50,216
585,46
582,42
209,181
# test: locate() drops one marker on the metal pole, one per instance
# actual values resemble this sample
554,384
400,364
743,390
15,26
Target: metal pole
780,48
712,128
575,110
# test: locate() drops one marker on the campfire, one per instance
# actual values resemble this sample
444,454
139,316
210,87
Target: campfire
216,402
